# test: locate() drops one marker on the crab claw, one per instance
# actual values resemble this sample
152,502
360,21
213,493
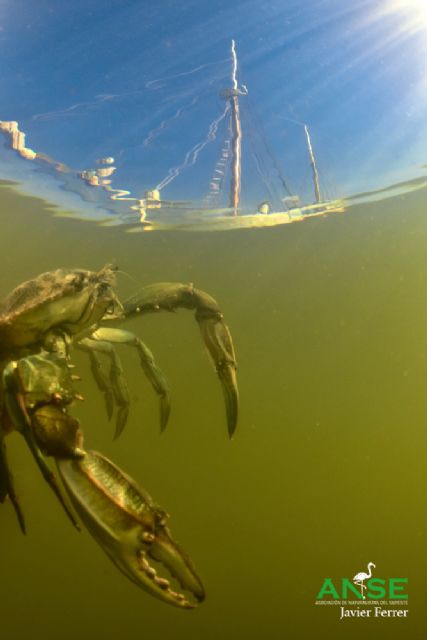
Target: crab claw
217,339
131,528
170,296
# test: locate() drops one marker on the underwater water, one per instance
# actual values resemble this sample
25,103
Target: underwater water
326,471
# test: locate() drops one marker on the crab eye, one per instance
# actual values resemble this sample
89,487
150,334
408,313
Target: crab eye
161,517
110,309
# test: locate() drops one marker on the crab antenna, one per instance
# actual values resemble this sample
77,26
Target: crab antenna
128,275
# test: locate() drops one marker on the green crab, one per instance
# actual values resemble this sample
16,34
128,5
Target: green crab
40,321
74,306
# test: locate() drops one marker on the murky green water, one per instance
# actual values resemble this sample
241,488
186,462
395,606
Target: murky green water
327,469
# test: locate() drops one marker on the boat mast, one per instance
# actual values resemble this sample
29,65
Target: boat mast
313,165
232,96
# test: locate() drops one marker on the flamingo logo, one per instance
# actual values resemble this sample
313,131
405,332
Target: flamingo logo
360,578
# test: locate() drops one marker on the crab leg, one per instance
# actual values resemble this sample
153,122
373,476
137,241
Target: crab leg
215,333
117,380
100,376
155,376
7,486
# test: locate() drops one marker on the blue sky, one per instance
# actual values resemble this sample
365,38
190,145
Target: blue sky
140,81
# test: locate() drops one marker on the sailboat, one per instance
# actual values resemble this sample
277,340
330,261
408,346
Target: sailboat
232,217
152,212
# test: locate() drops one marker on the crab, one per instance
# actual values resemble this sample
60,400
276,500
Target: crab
120,515
82,307
40,322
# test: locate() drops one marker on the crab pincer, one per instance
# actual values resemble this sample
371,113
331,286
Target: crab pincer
131,529
170,296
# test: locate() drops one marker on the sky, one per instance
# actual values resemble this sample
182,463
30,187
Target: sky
141,81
